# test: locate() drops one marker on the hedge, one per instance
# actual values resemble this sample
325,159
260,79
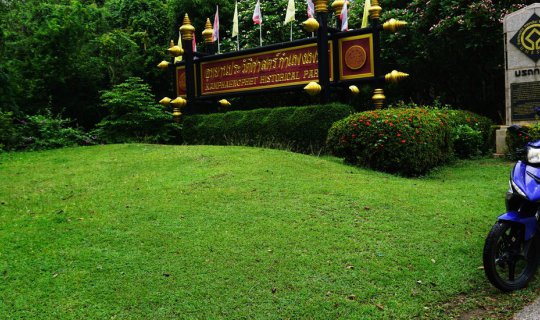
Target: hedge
472,134
300,129
406,141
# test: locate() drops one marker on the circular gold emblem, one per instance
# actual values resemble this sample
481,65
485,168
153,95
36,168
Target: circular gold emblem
355,57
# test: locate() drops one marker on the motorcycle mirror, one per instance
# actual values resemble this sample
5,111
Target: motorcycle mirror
514,128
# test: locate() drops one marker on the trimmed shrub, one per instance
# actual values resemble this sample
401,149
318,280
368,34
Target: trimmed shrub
516,141
406,141
134,116
481,133
467,141
301,129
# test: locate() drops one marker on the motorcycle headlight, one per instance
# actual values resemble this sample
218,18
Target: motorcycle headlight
521,193
533,155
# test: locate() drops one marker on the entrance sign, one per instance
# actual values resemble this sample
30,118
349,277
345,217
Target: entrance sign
296,65
332,61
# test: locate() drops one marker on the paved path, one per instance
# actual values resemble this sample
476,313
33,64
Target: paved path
530,312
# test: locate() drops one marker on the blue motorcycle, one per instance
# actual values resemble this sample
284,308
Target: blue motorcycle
512,248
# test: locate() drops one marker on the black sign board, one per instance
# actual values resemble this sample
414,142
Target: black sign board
525,98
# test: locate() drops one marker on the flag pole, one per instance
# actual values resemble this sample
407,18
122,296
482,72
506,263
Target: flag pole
291,30
237,43
260,34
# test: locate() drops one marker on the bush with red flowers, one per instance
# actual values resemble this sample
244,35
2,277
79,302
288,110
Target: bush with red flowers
406,141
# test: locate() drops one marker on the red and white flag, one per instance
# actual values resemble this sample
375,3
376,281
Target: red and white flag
310,9
257,16
194,43
344,18
216,25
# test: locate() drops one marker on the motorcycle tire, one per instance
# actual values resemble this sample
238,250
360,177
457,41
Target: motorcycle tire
510,262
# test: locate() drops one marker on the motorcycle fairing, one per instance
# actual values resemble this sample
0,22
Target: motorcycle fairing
527,178
528,222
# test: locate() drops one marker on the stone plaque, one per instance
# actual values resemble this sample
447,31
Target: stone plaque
522,53
525,98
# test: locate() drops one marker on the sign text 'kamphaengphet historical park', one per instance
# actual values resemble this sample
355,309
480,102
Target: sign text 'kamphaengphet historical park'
333,58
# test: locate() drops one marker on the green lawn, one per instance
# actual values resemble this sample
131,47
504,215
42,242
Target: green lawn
166,232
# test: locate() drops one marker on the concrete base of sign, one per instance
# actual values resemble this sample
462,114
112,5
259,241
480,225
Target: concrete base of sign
500,141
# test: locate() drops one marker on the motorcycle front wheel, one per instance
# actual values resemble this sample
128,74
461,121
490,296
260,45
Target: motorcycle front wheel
509,261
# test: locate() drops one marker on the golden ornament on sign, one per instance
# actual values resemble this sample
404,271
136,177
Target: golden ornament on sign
375,10
338,6
175,51
395,76
224,103
313,88
165,101
187,29
355,57
179,102
310,25
176,114
354,90
208,32
171,44
394,25
321,5
163,64
378,98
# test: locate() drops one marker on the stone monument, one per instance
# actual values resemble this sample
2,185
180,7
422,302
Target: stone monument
522,68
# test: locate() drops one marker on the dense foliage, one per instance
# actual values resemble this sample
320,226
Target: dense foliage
407,141
302,129
134,116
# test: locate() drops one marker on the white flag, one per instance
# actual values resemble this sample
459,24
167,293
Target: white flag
235,21
216,25
344,18
257,16
310,9
289,17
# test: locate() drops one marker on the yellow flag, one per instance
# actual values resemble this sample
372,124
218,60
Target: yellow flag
289,17
367,5
179,58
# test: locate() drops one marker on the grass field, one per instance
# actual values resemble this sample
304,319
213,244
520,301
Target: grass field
166,232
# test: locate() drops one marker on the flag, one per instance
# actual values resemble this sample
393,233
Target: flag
291,10
344,17
235,21
310,9
367,5
216,25
257,16
194,43
179,58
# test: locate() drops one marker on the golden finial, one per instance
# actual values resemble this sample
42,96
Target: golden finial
321,5
208,32
165,101
395,76
394,25
313,88
179,102
175,51
224,103
378,98
310,25
176,114
338,6
375,10
163,64
187,29
354,90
